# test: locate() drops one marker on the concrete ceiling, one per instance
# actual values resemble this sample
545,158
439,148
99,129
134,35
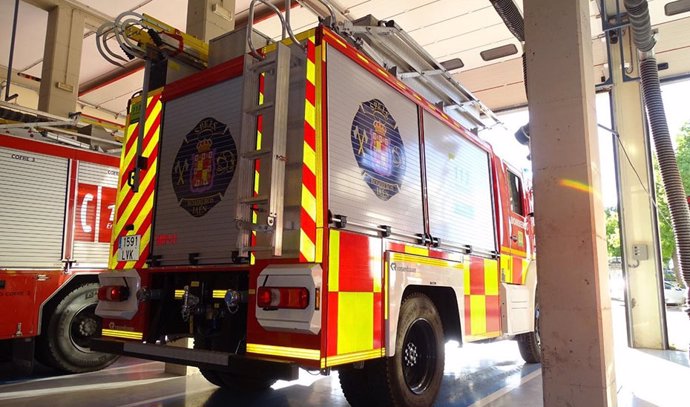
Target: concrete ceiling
446,28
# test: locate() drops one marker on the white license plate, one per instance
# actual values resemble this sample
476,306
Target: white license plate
129,248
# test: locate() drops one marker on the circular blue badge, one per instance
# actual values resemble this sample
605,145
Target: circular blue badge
378,149
204,166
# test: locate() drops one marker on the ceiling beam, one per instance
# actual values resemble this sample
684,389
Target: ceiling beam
92,17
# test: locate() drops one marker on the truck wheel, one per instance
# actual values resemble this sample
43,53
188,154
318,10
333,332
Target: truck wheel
413,376
212,377
530,343
64,342
354,384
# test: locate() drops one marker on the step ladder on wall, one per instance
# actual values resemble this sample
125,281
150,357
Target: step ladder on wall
262,153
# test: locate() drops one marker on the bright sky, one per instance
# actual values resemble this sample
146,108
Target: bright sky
504,143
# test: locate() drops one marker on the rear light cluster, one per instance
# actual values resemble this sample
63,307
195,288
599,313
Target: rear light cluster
116,293
282,297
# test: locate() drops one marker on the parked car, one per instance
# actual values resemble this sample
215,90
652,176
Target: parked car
674,294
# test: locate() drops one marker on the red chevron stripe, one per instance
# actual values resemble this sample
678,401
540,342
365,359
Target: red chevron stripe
150,162
308,225
311,93
131,195
147,139
309,180
149,109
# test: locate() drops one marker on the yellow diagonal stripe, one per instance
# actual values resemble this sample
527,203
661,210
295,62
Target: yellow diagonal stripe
308,202
310,113
306,246
309,158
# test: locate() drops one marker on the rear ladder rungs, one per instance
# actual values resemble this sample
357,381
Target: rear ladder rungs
259,199
260,109
253,155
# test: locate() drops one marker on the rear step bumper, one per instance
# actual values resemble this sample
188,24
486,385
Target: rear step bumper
205,359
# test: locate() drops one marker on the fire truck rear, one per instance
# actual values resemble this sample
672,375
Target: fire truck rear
301,205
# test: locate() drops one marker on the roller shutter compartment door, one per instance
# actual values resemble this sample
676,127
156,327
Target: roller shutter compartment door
32,209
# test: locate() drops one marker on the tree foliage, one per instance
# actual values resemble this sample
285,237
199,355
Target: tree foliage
613,239
668,242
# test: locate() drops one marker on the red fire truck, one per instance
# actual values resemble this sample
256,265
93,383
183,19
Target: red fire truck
56,217
303,205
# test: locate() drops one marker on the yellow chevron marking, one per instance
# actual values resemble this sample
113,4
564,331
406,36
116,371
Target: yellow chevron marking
309,114
309,158
306,246
308,202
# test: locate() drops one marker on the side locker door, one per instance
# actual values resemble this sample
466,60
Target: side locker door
518,225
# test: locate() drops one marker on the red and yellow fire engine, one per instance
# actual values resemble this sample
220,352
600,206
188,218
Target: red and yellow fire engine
305,204
56,216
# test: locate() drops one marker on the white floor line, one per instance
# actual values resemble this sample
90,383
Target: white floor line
85,387
170,396
69,376
502,392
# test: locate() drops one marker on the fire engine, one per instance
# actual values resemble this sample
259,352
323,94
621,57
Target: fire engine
56,216
321,202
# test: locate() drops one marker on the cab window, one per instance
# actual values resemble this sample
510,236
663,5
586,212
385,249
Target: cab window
515,186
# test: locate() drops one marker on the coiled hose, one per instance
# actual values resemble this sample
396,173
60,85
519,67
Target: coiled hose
515,23
670,176
511,16
638,12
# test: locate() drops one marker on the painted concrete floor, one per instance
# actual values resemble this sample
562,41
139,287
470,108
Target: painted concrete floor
476,375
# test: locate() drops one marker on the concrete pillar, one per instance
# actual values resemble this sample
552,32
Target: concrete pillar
575,317
61,61
207,19
644,305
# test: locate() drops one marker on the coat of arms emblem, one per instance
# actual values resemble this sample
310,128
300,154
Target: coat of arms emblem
204,166
378,149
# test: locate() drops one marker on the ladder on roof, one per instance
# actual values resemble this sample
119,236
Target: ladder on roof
394,49
261,166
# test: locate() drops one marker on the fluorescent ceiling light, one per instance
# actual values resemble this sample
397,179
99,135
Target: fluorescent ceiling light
498,52
452,64
677,7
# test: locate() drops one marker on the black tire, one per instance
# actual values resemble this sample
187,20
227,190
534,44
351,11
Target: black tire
355,385
212,377
228,381
67,330
530,343
411,378
243,384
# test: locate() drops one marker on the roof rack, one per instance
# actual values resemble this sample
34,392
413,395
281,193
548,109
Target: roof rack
395,50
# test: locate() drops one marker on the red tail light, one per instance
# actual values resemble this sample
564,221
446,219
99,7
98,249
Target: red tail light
116,293
283,297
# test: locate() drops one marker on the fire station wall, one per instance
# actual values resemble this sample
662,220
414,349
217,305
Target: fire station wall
32,209
373,143
196,197
94,214
459,188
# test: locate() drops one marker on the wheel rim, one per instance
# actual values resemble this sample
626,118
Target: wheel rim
84,326
419,356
